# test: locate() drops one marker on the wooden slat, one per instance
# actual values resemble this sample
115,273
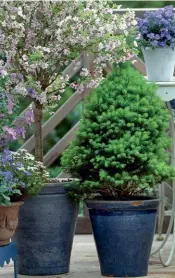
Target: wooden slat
74,67
139,65
168,191
88,64
59,115
62,144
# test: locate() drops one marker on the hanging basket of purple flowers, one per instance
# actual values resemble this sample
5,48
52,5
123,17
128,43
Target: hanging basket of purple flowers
156,36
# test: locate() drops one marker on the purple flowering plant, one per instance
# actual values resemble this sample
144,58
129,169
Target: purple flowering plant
157,28
9,108
20,176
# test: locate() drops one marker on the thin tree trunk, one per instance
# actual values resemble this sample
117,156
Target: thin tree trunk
38,113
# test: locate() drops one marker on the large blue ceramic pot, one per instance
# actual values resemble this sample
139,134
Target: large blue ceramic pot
123,233
45,232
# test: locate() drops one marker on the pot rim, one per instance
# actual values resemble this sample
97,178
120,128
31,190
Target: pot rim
131,205
58,183
13,204
147,48
124,202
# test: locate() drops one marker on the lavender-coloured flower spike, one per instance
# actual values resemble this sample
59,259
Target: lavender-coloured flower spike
20,131
32,93
11,132
14,75
6,157
29,117
20,77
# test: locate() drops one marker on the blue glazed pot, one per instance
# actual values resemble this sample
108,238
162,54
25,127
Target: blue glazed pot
45,233
123,233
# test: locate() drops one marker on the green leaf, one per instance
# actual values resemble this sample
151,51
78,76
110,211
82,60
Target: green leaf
3,189
7,198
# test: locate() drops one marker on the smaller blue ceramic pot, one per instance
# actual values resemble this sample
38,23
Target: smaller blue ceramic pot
123,232
45,232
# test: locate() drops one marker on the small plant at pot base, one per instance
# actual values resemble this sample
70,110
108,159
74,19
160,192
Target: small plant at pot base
156,36
20,176
118,155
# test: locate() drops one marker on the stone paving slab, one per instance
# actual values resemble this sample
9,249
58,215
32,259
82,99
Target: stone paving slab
84,262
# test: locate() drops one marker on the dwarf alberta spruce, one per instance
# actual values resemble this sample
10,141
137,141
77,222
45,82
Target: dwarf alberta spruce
20,176
157,28
120,148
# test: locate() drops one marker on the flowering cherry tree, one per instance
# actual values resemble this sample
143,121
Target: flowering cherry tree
41,38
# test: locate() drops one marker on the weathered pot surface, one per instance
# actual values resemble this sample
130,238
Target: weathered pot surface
123,232
45,232
159,63
8,222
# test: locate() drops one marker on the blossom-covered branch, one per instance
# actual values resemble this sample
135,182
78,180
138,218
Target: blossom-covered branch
41,38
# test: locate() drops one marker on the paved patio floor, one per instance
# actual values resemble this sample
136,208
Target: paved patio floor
84,262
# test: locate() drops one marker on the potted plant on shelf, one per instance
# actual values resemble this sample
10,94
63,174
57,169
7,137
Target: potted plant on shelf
156,36
118,157
40,39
